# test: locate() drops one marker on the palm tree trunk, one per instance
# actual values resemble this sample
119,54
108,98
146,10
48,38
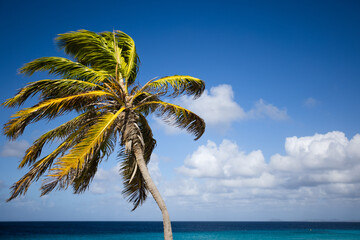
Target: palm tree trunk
154,192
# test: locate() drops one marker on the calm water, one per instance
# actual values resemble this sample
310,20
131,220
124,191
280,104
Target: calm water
182,230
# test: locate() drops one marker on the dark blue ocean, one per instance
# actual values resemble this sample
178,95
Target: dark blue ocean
181,230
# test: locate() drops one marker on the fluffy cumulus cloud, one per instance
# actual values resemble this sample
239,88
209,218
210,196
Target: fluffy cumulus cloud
218,106
322,166
223,161
14,149
330,161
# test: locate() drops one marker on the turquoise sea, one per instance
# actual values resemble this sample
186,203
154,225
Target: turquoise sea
181,230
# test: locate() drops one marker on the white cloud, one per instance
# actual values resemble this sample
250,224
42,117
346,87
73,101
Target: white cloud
225,161
322,159
185,187
315,152
14,148
216,107
322,166
263,110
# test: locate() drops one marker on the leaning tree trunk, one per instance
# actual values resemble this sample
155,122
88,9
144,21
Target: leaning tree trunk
154,192
132,134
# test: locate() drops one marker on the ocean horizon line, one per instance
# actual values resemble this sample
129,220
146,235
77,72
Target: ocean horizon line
224,221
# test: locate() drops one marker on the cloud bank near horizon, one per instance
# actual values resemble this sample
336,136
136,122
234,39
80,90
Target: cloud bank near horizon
322,166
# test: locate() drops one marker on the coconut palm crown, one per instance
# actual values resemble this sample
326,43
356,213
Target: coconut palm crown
99,84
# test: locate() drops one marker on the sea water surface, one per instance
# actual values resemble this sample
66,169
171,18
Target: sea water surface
181,230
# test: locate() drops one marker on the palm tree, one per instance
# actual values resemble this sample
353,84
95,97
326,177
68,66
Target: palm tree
99,85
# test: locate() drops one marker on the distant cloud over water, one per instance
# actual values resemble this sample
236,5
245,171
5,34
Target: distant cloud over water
314,167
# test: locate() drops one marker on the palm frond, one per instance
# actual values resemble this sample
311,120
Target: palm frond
147,136
180,85
179,117
128,59
65,68
134,184
143,97
86,174
88,148
131,58
40,167
135,190
51,89
88,48
48,109
62,132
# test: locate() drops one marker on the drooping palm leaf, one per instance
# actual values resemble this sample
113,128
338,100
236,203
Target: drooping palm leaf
62,132
51,89
180,85
79,166
134,184
179,117
64,68
89,49
49,109
88,147
40,167
86,174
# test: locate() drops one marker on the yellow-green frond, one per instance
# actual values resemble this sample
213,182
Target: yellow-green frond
178,116
88,146
77,124
180,85
84,175
65,68
127,58
48,109
132,61
88,48
51,89
40,167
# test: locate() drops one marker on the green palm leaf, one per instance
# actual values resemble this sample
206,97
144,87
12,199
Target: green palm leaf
65,68
179,84
89,49
51,89
125,53
135,188
86,174
88,147
179,117
62,132
49,109
40,167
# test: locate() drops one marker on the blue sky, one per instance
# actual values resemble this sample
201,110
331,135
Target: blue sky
281,105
